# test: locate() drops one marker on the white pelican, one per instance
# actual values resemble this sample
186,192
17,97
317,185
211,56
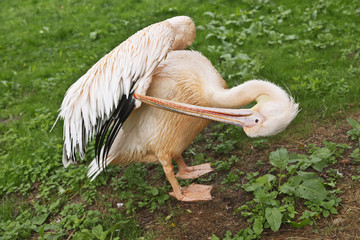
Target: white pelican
106,102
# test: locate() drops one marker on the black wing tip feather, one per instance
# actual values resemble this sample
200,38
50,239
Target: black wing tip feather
107,133
66,160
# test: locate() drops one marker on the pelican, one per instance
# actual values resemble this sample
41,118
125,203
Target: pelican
149,98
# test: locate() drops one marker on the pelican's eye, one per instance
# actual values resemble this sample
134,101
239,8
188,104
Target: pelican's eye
257,120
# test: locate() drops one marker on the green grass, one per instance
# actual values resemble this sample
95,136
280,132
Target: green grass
310,48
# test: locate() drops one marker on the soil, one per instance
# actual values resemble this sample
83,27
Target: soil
200,220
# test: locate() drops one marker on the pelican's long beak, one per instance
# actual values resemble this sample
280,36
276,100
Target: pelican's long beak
237,117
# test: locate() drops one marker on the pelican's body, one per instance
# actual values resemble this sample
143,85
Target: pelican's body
151,133
144,133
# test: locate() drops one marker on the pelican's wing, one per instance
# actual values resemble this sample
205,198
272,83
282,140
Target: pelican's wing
105,90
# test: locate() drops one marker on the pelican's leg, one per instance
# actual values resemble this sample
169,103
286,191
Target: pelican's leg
186,172
194,192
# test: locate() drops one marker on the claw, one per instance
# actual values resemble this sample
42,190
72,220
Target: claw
194,192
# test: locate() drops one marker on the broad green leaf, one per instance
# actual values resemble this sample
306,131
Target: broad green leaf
267,178
273,217
211,14
319,159
243,56
291,37
213,237
301,224
260,195
261,182
318,164
333,210
94,35
40,219
41,231
292,168
307,175
353,123
244,209
228,235
97,231
355,132
293,157
54,205
258,225
84,234
328,205
310,189
287,188
154,191
305,185
326,213
314,160
323,153
279,158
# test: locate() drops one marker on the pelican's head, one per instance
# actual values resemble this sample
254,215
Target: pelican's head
271,115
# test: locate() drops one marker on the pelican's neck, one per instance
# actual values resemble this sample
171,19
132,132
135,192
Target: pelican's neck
246,93
185,32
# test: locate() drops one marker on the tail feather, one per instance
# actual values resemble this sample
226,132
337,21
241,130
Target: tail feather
65,160
95,168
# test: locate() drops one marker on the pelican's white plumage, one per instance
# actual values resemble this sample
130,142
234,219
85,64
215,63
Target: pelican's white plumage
89,102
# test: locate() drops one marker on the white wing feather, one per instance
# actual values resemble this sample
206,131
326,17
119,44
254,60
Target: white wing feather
89,102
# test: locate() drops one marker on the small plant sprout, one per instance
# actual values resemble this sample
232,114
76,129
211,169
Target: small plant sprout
355,132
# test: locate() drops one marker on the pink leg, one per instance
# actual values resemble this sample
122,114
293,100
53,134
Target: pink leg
194,192
186,172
